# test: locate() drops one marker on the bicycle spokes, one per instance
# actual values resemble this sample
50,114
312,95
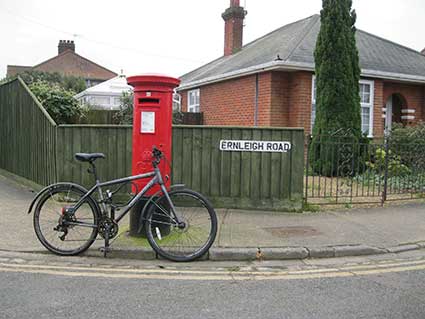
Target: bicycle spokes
189,238
59,227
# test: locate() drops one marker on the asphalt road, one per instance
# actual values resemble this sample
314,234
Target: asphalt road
384,289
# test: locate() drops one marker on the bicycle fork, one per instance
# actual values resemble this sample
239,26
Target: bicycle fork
173,210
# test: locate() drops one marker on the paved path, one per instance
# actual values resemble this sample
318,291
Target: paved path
279,235
16,232
376,226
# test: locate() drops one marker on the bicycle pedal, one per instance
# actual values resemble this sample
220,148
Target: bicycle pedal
105,249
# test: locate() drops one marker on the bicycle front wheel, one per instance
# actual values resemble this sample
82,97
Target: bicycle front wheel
188,240
63,233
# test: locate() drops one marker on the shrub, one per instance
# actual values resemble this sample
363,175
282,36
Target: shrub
395,166
69,83
4,80
58,102
401,134
125,114
408,143
178,117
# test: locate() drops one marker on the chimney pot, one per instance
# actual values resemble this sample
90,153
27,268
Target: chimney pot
234,3
65,45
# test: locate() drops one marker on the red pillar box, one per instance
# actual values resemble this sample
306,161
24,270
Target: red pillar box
152,121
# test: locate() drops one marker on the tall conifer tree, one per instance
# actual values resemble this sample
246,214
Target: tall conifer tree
337,77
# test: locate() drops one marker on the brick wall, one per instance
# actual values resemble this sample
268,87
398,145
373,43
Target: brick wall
230,102
264,99
300,100
284,99
378,104
280,108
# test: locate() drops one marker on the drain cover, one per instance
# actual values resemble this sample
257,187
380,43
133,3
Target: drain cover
292,231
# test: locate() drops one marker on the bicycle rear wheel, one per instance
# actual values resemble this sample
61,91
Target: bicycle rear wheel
189,240
61,233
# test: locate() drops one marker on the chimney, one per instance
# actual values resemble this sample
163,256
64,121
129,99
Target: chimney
233,27
66,45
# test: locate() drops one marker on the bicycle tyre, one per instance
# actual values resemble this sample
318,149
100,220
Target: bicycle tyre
53,201
191,206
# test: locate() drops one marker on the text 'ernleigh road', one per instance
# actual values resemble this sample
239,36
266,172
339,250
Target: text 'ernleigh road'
255,146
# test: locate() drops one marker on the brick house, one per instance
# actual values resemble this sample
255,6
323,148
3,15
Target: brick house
270,81
69,63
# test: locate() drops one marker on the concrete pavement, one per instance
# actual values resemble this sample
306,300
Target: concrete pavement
278,235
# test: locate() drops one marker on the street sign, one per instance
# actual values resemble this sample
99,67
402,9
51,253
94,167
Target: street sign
255,146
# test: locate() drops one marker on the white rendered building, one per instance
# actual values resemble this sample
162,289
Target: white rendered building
106,95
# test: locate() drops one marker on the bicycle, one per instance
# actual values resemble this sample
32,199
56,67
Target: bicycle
180,224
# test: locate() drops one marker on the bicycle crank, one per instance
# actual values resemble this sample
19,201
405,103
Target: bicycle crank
112,227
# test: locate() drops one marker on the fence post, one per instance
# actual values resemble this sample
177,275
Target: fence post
307,166
387,155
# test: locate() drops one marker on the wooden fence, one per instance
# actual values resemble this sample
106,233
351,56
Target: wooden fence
33,147
99,117
229,179
115,141
27,135
240,179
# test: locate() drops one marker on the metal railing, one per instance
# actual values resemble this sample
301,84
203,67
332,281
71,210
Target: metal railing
346,170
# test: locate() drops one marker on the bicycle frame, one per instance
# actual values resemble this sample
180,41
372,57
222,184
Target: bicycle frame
156,179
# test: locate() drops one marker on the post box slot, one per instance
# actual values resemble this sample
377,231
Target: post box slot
148,100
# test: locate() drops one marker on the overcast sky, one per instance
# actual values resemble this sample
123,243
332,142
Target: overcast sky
169,36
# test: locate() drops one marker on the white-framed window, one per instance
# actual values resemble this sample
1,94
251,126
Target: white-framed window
313,103
117,101
177,102
366,90
100,100
193,101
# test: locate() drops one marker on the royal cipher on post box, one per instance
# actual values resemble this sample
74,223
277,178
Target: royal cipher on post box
152,124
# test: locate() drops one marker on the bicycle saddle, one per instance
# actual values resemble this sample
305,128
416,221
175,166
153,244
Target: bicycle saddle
85,157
